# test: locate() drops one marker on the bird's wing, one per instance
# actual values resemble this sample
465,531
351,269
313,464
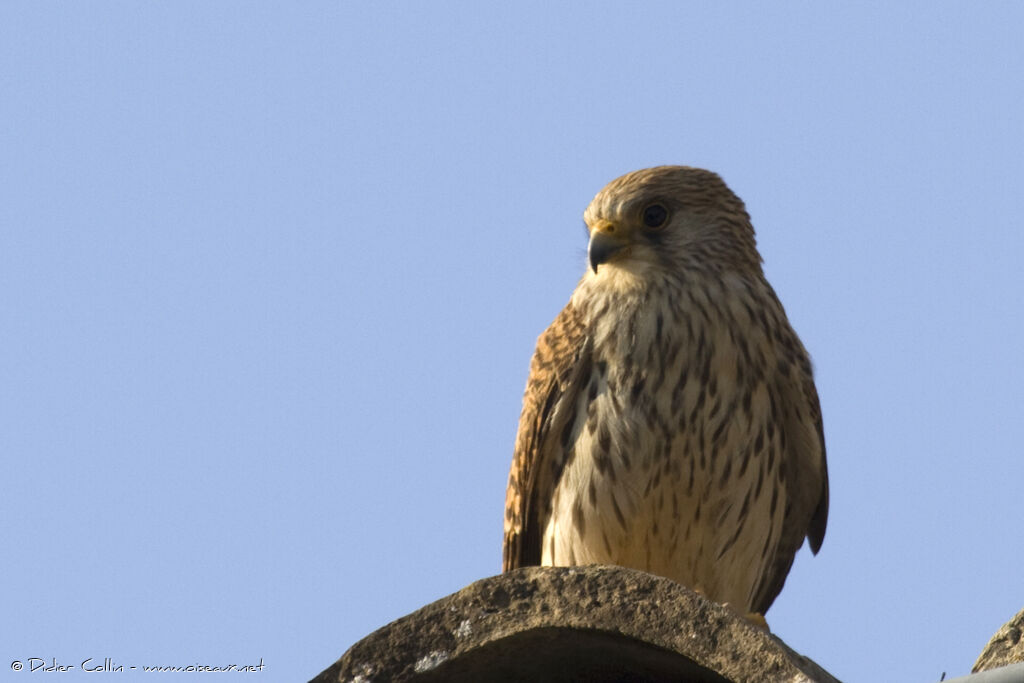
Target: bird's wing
559,363
805,472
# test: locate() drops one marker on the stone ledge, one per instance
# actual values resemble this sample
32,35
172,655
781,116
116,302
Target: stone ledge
1006,646
594,623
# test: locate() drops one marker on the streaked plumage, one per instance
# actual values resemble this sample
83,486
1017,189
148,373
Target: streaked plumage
670,421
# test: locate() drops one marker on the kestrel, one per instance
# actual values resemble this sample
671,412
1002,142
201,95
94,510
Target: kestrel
670,421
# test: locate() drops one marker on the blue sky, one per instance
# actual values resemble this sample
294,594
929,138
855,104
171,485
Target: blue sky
272,275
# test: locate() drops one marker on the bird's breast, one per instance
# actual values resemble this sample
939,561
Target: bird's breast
666,450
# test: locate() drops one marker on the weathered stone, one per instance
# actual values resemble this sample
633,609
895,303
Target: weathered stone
595,623
1006,646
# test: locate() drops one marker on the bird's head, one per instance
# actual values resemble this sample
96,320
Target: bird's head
668,218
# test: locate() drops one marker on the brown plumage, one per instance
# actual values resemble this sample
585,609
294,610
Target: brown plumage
670,421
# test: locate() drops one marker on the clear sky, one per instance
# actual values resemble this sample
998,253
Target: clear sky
271,277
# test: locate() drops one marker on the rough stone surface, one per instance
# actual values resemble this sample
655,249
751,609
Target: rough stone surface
596,623
1006,646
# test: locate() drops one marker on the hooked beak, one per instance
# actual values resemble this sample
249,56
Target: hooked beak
605,242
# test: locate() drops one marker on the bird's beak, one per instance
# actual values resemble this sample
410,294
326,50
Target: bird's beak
606,240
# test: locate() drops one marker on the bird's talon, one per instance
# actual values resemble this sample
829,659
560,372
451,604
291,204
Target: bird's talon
757,619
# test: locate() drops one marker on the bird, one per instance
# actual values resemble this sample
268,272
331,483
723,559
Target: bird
670,421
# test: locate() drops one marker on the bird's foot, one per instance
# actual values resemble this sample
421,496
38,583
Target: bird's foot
757,619
752,618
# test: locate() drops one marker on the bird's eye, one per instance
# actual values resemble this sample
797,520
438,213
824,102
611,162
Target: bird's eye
655,216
